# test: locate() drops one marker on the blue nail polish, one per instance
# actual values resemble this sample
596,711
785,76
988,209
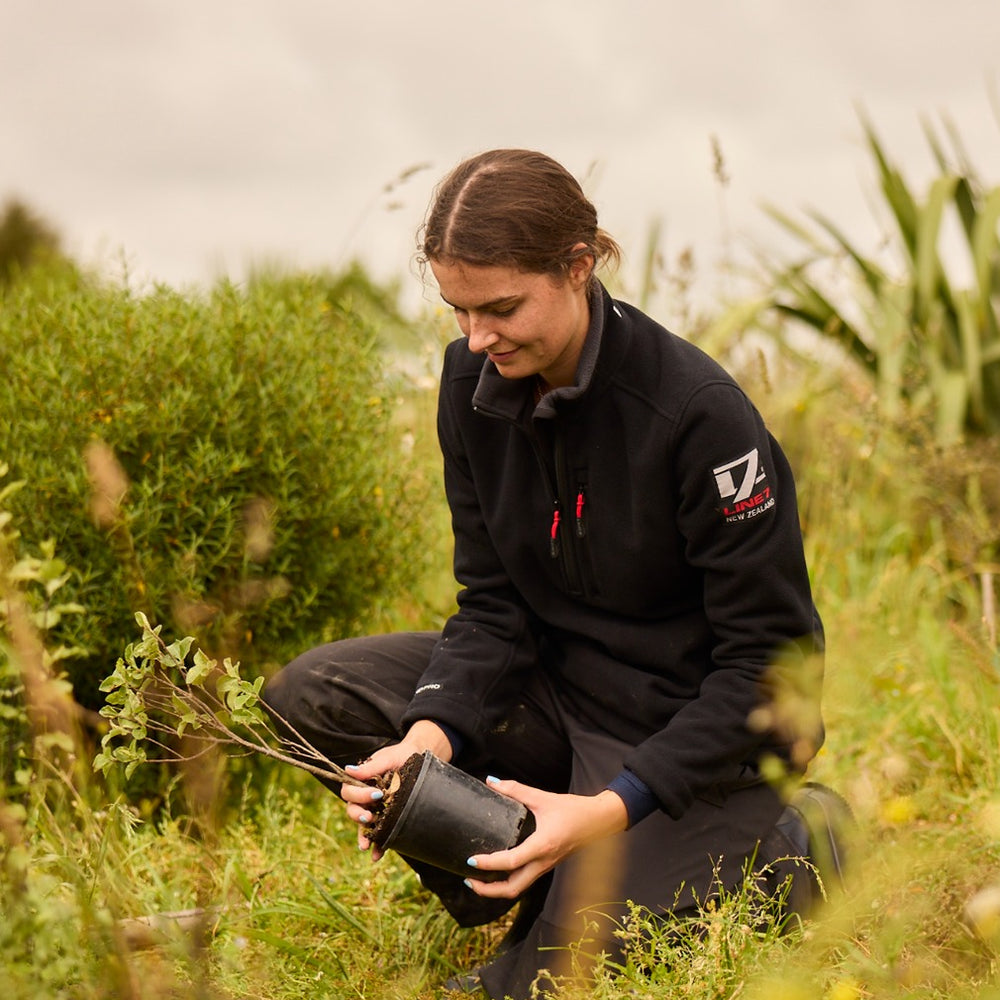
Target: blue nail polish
490,780
472,863
365,817
350,767
376,795
468,884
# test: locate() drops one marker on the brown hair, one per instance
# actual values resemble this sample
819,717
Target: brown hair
513,208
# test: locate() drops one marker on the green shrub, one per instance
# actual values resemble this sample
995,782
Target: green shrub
226,463
26,240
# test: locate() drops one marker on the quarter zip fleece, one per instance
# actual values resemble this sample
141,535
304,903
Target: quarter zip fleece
636,534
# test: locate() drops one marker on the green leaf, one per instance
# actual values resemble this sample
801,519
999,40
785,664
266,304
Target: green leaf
873,275
10,489
984,245
248,716
927,263
115,679
176,653
972,355
200,670
952,395
184,713
902,203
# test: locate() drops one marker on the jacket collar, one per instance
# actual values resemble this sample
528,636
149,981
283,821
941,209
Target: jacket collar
514,398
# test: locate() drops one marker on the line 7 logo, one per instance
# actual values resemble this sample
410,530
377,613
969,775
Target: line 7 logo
736,480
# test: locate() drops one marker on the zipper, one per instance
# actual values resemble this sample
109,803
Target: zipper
570,561
558,487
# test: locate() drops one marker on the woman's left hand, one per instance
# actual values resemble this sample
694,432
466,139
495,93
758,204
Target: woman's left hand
563,824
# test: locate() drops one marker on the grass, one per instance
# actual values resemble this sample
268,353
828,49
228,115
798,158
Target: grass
294,909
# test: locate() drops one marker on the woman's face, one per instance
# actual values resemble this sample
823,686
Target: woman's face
526,323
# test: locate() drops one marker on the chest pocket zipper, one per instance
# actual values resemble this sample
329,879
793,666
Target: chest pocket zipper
575,561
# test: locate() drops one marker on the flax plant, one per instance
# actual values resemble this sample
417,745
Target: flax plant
928,340
930,343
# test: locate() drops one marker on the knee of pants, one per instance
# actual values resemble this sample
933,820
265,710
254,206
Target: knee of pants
280,693
339,689
302,694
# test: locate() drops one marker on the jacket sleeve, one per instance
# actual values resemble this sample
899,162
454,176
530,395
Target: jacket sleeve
737,514
478,666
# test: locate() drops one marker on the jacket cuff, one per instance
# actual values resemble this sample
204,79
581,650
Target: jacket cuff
639,800
454,738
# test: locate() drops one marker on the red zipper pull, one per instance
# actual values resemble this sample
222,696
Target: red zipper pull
581,528
554,533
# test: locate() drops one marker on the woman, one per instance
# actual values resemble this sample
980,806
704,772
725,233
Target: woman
633,586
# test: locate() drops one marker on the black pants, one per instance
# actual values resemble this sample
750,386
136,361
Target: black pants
347,698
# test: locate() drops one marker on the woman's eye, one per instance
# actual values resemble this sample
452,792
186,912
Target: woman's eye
504,312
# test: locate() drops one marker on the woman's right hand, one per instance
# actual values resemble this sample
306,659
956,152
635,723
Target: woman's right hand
422,735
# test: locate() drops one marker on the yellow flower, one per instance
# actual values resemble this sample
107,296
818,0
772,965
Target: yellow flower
899,811
844,989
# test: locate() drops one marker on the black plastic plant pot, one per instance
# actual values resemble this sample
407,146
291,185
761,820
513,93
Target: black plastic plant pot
441,815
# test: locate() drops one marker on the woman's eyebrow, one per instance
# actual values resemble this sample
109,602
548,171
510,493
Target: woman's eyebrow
492,304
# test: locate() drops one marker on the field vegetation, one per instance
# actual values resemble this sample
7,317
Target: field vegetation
239,877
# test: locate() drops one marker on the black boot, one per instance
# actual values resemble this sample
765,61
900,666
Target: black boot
528,911
815,827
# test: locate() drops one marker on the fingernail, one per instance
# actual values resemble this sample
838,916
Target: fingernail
468,884
472,863
490,780
350,767
376,795
365,817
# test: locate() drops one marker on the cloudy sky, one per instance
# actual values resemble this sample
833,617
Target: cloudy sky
192,138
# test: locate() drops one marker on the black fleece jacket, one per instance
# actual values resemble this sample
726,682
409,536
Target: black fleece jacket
637,535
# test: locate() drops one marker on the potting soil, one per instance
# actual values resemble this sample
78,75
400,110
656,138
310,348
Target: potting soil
396,787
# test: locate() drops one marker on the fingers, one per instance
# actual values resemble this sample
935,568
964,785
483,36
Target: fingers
361,800
362,795
368,769
500,861
522,864
511,887
366,843
389,758
525,794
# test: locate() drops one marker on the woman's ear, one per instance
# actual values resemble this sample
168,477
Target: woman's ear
582,267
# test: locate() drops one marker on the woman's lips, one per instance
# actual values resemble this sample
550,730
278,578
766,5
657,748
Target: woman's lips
499,357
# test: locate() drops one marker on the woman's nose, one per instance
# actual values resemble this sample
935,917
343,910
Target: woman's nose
481,335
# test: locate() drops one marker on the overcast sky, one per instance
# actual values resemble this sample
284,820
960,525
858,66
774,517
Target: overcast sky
193,138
